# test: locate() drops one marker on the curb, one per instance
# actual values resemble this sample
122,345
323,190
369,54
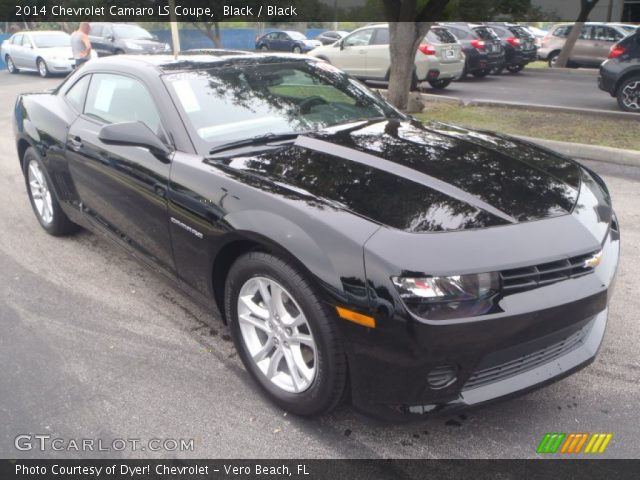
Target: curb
589,152
431,98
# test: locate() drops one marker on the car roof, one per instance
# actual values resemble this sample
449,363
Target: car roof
40,32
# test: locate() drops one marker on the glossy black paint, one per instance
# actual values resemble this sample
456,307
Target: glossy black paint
352,206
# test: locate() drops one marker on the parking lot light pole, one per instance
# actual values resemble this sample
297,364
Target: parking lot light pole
175,36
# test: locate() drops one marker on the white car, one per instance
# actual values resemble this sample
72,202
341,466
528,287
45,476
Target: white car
44,52
364,53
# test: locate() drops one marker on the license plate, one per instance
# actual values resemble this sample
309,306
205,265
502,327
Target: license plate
449,53
493,48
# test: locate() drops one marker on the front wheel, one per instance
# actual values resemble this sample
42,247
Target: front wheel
43,200
515,68
629,95
10,65
43,70
440,84
285,335
553,59
297,49
264,48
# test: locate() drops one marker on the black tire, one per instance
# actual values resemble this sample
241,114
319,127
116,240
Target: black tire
628,95
414,82
515,68
43,69
480,73
10,65
264,48
497,71
60,224
328,386
440,84
552,58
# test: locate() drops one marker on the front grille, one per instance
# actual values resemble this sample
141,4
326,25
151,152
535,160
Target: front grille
526,362
527,278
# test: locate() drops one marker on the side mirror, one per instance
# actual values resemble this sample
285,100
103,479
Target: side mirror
134,134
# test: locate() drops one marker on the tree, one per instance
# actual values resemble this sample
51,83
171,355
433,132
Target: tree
211,30
586,6
408,24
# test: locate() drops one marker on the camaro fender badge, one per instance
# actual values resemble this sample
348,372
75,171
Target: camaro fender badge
187,228
594,261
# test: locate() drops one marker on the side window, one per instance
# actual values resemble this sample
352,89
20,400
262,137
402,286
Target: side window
586,33
381,37
118,99
75,95
96,30
107,31
359,39
562,32
17,40
26,41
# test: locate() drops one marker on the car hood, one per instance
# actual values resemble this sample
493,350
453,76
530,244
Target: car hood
422,178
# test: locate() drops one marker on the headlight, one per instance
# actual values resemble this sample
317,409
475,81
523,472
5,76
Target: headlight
132,46
453,296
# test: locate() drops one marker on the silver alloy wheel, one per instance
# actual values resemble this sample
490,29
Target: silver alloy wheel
10,66
631,95
277,335
553,60
297,49
42,68
40,193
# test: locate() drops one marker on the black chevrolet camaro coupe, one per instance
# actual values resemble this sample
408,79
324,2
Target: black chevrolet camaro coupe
353,251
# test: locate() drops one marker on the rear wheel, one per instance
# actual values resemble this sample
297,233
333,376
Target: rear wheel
284,334
440,84
629,95
43,70
264,48
553,59
480,73
10,65
497,71
515,68
43,200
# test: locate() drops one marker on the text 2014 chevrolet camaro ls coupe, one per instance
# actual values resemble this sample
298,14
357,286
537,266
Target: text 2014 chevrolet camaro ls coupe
349,247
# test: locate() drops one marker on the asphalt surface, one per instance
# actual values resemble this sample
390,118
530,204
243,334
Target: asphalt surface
94,345
533,86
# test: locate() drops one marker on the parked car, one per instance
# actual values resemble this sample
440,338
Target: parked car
537,33
346,245
627,27
45,52
286,41
482,48
364,53
331,36
620,73
119,38
519,46
591,48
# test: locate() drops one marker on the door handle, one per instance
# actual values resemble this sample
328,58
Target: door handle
75,143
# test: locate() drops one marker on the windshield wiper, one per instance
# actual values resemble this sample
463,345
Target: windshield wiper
258,140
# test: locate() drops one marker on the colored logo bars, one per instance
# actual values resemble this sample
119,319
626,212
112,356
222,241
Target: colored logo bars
574,442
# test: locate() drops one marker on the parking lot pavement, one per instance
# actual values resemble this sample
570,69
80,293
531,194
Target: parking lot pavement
534,86
94,345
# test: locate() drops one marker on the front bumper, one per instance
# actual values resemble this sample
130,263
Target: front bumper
61,66
538,337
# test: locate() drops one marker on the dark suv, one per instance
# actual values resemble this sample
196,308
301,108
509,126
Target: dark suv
519,46
482,47
620,73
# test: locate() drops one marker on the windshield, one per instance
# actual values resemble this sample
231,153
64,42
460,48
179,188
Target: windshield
241,101
131,32
51,40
